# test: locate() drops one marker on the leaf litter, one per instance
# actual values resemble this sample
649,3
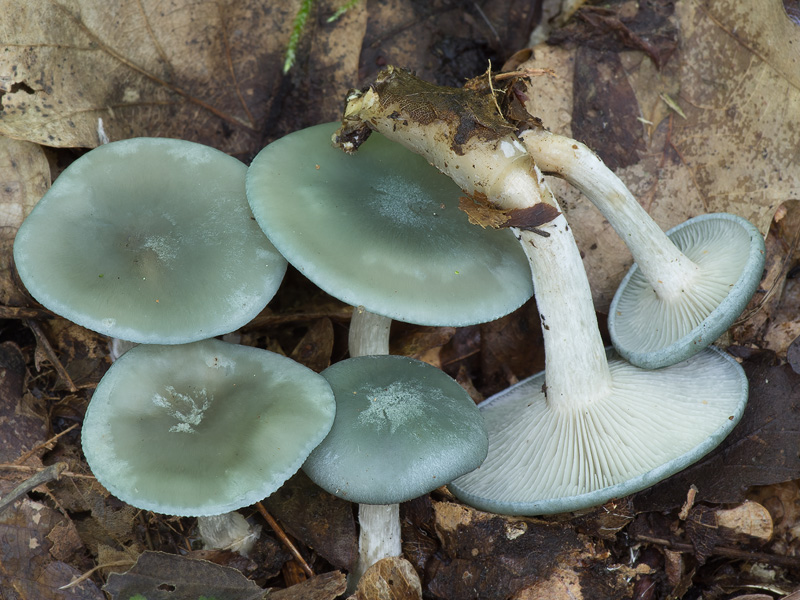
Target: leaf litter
212,75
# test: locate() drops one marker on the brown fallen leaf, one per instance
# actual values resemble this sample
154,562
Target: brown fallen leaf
736,148
28,567
318,519
482,212
315,347
23,423
198,71
322,587
748,524
157,575
25,177
494,556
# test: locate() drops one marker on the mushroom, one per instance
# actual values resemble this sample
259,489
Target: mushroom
151,241
204,428
402,429
382,230
558,443
686,287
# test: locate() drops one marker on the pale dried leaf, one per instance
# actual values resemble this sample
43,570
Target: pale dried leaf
24,177
736,76
202,71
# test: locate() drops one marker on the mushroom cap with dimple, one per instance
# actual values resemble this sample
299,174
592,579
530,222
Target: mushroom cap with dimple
652,332
382,229
149,240
402,429
205,428
646,427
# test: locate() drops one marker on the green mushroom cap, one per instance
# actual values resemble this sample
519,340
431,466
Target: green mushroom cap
149,240
204,428
382,229
402,429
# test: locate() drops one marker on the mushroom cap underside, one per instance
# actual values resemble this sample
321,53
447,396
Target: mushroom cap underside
648,426
651,332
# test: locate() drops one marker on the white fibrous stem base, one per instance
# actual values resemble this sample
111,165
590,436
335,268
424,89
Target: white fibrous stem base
379,537
666,268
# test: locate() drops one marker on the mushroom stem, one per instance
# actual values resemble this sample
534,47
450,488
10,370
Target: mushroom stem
666,268
369,333
575,359
379,537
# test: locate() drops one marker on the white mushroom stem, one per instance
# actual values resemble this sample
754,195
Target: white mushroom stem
666,268
575,359
379,537
379,534
369,333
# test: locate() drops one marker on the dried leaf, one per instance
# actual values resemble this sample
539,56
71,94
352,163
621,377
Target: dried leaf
481,211
161,576
322,587
206,72
27,566
315,347
25,177
494,556
22,420
317,518
735,151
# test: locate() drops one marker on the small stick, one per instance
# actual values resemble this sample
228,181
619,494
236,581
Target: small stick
13,467
30,452
24,312
792,562
42,340
285,539
85,576
50,473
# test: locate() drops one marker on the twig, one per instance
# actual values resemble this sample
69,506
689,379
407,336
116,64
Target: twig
749,555
13,467
85,576
44,343
284,538
524,73
30,452
20,312
50,473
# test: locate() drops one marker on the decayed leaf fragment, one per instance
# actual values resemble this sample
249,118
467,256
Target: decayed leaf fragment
481,211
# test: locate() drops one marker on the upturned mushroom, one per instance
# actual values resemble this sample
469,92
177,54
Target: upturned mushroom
151,241
204,428
686,287
402,429
579,416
